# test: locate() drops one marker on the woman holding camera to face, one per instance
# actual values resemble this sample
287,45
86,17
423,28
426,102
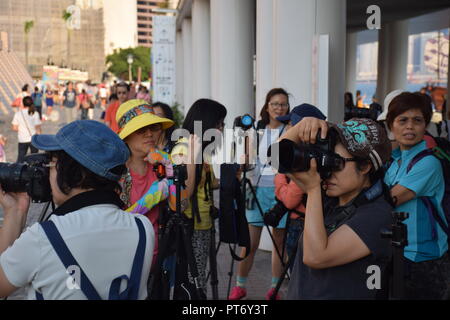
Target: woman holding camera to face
276,105
341,241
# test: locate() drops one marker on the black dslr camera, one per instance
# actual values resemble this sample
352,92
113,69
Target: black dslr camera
273,216
294,157
245,122
31,176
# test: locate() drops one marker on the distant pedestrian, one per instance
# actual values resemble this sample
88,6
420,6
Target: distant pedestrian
69,102
123,90
27,123
49,100
37,101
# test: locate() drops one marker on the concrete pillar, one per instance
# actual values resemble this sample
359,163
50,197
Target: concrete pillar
187,64
350,62
332,19
295,26
232,51
179,70
264,51
201,53
392,57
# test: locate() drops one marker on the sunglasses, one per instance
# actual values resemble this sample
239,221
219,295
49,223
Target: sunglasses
153,128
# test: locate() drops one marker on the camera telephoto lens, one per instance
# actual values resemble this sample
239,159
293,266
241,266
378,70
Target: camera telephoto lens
11,177
31,177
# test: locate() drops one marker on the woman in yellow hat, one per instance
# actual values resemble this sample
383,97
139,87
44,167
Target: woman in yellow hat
142,130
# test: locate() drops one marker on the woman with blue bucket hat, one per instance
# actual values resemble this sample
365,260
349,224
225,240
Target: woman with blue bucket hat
88,248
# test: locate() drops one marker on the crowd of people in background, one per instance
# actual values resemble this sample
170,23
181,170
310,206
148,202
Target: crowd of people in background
334,217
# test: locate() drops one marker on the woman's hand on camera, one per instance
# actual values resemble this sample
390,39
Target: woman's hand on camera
307,180
306,130
14,203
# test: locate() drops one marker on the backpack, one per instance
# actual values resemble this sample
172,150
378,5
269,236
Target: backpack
439,148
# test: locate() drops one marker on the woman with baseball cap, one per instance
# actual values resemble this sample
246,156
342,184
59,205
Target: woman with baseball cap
141,130
341,240
88,242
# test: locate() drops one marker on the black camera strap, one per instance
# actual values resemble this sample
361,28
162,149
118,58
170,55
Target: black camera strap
340,214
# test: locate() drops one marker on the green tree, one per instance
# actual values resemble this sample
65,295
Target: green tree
66,15
118,64
28,25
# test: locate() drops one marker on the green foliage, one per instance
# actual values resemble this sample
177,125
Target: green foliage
119,65
177,115
28,25
66,15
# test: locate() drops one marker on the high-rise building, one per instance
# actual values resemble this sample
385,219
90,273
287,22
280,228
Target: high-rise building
145,21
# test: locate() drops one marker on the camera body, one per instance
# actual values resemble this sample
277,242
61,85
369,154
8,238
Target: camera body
245,122
273,216
31,177
356,112
297,157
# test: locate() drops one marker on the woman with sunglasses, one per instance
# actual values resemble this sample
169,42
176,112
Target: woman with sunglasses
341,254
141,130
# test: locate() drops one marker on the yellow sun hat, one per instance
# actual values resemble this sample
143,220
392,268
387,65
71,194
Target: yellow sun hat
136,114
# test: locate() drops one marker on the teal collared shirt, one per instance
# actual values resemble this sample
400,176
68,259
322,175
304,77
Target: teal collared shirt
426,239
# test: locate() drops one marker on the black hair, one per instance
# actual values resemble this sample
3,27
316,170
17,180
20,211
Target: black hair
28,102
348,100
25,87
209,112
71,174
123,85
113,97
168,114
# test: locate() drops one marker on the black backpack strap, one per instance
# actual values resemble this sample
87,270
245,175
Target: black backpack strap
67,259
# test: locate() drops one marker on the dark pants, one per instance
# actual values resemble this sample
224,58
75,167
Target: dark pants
39,110
84,114
428,280
23,148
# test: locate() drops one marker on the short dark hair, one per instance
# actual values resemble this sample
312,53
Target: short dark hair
409,101
265,117
123,85
71,174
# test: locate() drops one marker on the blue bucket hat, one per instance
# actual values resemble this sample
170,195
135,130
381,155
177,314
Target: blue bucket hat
91,143
300,112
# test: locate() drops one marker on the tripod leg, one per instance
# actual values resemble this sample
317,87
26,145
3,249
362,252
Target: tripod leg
213,264
285,271
230,274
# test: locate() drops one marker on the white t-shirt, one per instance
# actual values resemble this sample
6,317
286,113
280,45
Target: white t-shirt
27,124
264,175
103,92
102,238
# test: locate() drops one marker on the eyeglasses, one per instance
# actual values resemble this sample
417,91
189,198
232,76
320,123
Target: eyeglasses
153,128
50,165
279,105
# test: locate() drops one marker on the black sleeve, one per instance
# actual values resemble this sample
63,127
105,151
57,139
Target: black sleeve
368,222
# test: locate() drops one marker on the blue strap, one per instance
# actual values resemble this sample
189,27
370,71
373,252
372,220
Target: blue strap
131,292
67,259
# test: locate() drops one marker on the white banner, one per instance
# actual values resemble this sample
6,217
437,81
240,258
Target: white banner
163,59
